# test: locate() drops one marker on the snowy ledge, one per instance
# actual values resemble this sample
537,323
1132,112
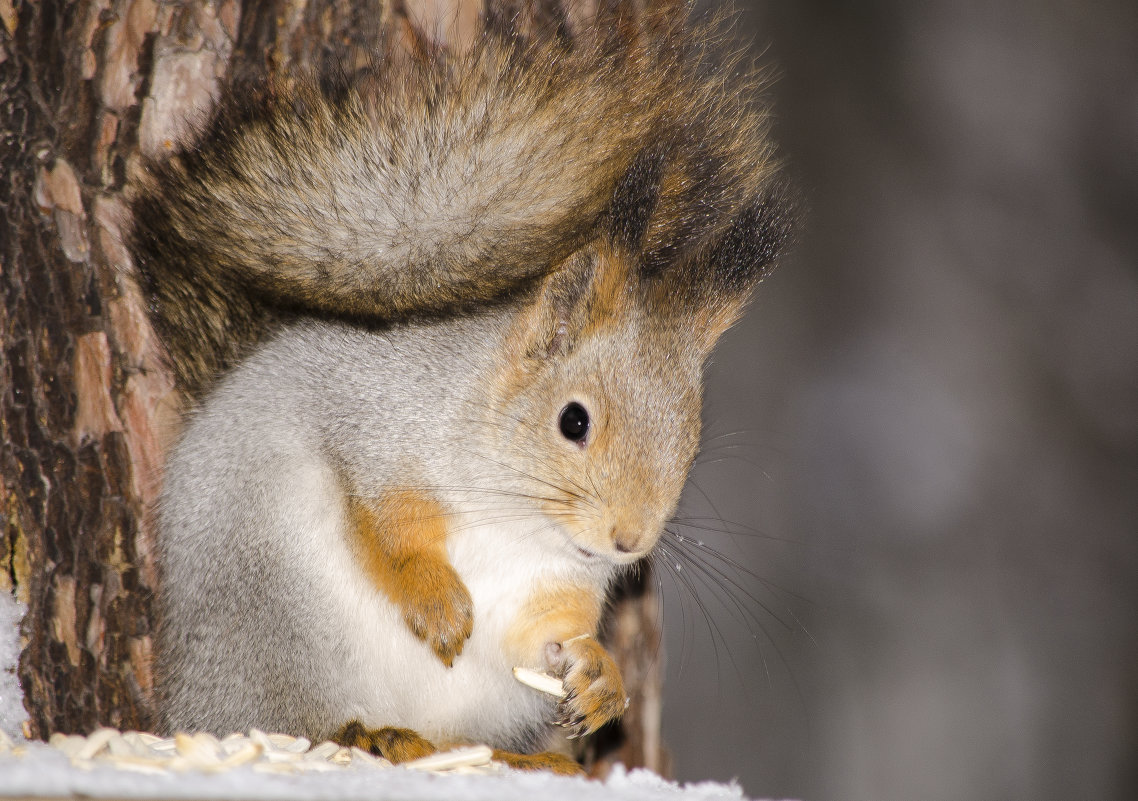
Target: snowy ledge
74,767
41,771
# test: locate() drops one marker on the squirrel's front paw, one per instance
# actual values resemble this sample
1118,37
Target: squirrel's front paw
437,607
594,691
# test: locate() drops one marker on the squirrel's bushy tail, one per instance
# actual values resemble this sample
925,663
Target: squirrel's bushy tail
434,181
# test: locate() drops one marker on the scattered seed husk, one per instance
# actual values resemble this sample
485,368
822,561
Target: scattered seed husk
95,743
540,681
473,756
141,752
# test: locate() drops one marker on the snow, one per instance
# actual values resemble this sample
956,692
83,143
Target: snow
46,772
34,769
12,714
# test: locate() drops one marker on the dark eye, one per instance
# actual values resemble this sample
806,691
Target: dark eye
574,422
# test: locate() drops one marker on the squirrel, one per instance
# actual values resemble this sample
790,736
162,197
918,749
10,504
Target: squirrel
445,321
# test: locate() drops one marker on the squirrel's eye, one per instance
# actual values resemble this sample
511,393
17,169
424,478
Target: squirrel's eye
574,422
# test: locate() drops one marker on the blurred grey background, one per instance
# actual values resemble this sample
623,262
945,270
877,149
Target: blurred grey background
924,436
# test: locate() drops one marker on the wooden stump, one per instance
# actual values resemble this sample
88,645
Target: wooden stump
86,406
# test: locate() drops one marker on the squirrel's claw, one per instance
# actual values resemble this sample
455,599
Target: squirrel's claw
594,689
574,724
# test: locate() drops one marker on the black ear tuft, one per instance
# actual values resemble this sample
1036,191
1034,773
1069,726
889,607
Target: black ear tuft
748,250
635,199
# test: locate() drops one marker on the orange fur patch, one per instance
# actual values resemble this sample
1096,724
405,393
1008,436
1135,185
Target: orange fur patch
553,614
400,542
546,760
403,521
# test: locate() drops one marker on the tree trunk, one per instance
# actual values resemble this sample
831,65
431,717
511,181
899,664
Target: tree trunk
86,406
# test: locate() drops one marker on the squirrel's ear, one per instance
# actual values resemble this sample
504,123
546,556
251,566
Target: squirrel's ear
711,289
557,315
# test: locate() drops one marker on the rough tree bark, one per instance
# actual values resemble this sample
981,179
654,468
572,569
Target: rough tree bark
86,407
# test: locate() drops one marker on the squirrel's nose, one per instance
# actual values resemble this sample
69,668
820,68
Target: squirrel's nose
625,541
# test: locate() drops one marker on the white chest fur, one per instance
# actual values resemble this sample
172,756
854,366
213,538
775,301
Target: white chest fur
397,680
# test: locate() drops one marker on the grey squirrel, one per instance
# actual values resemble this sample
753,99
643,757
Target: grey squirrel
446,319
